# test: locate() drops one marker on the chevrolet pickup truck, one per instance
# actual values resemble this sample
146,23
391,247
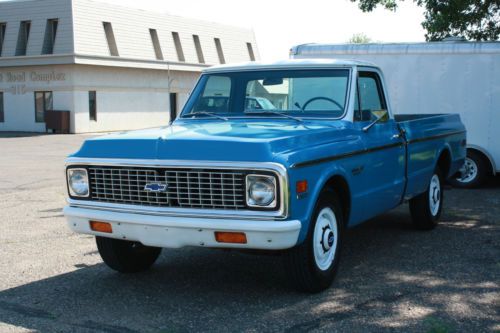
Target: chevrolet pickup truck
327,153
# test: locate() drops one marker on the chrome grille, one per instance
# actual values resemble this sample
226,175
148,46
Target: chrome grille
187,188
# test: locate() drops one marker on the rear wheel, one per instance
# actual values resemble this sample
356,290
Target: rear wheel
126,256
474,172
426,208
313,264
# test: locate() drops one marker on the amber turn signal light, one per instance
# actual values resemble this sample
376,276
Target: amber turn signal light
230,237
301,186
101,226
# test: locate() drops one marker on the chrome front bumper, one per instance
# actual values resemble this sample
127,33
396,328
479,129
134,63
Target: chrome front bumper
175,231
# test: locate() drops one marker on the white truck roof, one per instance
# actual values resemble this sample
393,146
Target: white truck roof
288,64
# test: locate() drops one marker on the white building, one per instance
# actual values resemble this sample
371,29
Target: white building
112,67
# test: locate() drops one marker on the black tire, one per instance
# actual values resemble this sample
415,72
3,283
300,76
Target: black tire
422,214
300,263
483,171
126,256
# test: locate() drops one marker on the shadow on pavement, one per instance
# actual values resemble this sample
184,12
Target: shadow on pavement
391,277
23,134
493,182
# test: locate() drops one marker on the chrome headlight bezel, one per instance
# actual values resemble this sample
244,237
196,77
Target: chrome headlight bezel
266,180
83,173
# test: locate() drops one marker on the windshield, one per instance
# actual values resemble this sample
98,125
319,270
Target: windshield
301,93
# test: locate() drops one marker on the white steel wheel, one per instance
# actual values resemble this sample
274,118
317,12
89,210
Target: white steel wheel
325,238
434,195
312,265
469,171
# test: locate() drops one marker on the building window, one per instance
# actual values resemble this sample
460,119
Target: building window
92,105
43,102
110,38
250,52
173,106
218,46
3,27
199,51
50,36
156,44
23,37
178,46
2,119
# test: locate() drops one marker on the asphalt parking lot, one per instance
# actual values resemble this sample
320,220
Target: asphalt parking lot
392,277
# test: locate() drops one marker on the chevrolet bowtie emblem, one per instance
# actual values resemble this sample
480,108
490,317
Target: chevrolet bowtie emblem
155,187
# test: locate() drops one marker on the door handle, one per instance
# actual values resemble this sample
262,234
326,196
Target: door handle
401,134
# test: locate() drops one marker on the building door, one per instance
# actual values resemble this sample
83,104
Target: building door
43,103
173,106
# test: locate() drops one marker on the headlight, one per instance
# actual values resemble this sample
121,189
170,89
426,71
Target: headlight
78,182
261,191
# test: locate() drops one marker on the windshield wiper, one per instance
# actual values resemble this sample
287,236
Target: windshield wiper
206,113
276,113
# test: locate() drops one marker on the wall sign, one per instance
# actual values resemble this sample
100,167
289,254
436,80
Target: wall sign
19,79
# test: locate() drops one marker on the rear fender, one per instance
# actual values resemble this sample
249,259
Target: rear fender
446,149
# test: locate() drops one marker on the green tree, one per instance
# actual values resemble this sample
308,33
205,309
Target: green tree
472,19
359,39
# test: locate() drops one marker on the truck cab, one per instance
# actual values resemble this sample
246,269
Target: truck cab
454,75
271,156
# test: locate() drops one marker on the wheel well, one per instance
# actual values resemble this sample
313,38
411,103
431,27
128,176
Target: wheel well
339,185
444,162
485,158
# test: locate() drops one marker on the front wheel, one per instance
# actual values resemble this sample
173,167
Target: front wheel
426,208
126,256
313,264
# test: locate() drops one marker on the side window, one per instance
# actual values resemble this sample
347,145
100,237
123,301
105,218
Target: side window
369,97
357,108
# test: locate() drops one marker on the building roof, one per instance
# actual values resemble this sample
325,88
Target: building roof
288,64
87,32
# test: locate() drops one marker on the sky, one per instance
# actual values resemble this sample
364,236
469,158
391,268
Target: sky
280,24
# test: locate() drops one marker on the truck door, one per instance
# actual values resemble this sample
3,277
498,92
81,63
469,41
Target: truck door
384,170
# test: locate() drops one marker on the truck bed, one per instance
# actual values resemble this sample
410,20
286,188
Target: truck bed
427,126
410,117
426,135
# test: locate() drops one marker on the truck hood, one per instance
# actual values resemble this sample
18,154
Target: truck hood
234,140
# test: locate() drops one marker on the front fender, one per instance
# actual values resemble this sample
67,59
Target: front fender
317,177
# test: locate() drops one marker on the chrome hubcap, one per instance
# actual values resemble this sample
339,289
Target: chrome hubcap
434,195
468,172
325,238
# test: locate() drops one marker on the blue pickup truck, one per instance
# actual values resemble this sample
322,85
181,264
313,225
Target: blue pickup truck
279,157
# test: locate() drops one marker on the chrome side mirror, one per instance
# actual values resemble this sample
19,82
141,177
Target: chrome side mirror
382,116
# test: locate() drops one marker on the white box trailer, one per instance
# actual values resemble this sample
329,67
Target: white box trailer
438,77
